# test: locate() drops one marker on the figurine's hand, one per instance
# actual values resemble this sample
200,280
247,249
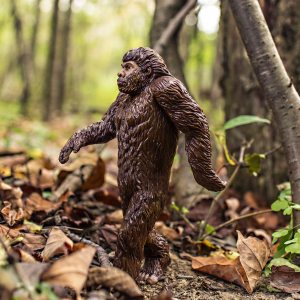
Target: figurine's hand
69,147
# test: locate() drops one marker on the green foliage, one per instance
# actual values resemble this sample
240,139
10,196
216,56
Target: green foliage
244,120
280,262
45,290
181,210
209,229
289,240
253,161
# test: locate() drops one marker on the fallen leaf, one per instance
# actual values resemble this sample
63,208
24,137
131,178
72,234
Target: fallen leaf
35,202
170,233
244,270
72,270
115,217
33,242
57,243
24,256
221,267
13,209
112,277
9,232
286,279
254,254
110,234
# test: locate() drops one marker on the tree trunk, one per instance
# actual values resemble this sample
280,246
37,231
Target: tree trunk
35,28
275,84
63,60
49,72
243,97
22,58
183,181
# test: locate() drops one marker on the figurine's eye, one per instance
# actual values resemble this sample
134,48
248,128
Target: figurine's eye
127,67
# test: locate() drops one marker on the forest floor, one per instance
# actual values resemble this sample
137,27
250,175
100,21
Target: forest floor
48,208
185,284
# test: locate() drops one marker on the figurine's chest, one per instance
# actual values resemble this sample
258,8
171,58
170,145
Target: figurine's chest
134,111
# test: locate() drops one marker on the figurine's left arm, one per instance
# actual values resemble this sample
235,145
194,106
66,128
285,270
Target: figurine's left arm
188,117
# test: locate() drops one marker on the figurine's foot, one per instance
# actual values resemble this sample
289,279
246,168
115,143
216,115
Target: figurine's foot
153,269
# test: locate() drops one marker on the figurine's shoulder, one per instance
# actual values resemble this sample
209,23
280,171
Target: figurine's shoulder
168,85
163,83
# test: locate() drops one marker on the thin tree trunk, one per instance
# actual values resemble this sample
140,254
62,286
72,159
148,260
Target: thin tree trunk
275,83
63,60
22,58
48,84
35,28
183,181
236,89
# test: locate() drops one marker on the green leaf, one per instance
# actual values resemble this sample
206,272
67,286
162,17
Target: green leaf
281,247
184,210
279,262
280,233
254,162
280,204
175,206
296,206
244,120
293,248
45,290
209,229
288,211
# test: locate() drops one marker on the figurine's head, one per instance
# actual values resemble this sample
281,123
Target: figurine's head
140,66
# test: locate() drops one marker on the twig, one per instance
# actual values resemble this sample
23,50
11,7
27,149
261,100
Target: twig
101,254
16,271
220,195
236,220
173,26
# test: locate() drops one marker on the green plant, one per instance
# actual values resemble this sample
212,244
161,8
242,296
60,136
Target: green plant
287,237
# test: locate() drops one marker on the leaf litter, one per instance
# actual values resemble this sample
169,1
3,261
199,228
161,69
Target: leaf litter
43,202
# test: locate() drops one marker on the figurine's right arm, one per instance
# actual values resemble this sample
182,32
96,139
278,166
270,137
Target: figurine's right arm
96,133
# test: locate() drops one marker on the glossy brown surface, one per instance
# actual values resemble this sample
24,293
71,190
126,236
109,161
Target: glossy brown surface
151,108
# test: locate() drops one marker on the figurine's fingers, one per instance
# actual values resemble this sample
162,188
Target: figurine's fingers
64,155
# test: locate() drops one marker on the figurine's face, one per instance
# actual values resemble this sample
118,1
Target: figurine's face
131,79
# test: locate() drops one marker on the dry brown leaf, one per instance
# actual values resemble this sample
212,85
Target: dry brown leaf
221,267
170,233
70,271
57,243
13,210
285,279
9,232
24,256
254,254
244,270
33,241
116,217
35,202
112,277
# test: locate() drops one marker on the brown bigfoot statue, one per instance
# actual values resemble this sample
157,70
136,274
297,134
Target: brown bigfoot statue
150,110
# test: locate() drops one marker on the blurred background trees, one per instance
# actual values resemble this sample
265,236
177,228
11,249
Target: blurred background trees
60,58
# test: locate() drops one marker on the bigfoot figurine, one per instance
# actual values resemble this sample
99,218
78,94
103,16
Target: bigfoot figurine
150,110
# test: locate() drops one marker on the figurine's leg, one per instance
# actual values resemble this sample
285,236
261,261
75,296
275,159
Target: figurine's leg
157,258
143,210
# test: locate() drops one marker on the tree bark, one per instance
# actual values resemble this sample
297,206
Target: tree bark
183,181
23,58
235,90
49,72
275,83
63,60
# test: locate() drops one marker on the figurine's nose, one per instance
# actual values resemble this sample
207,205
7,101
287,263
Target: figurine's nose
121,74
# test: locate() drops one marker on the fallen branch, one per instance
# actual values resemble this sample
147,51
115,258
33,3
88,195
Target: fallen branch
101,253
256,213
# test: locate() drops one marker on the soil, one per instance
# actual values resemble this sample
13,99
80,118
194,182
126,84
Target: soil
186,284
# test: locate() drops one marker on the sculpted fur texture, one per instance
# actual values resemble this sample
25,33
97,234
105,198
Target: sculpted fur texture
150,110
